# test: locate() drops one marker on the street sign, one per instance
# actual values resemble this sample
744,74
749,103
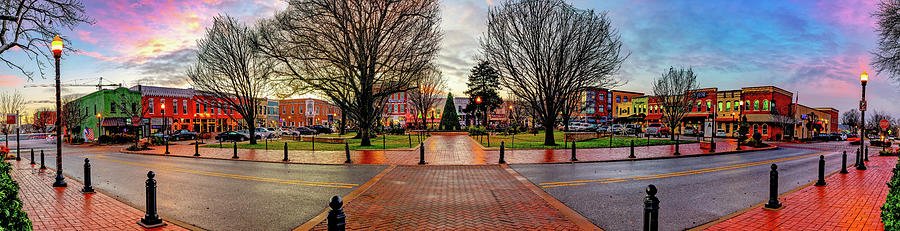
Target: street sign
10,119
862,105
135,120
884,124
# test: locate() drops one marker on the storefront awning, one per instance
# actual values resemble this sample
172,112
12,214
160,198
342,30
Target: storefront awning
114,122
653,117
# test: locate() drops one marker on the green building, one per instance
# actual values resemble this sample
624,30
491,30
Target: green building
111,109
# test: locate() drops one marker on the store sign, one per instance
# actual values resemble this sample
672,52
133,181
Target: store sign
862,105
700,95
10,119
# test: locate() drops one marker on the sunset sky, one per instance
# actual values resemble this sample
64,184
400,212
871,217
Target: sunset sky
816,49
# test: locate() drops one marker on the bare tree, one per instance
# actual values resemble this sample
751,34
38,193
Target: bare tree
30,25
851,119
42,118
673,92
10,103
355,52
130,106
230,70
547,50
571,107
785,120
887,55
73,115
428,88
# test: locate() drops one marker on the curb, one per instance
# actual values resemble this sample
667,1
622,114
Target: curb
664,157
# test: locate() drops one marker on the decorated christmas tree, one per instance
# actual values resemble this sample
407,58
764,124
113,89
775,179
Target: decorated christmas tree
449,119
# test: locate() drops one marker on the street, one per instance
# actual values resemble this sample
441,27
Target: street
692,191
216,194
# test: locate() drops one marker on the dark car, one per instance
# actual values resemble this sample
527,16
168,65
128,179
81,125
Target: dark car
231,136
184,135
321,129
305,131
160,135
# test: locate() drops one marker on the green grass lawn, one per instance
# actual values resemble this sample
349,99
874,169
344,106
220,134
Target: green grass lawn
390,142
531,141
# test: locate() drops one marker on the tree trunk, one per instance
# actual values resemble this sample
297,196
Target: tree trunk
549,140
252,127
343,124
364,132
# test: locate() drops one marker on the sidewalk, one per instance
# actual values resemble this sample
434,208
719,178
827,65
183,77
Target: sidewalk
67,208
441,150
848,202
452,197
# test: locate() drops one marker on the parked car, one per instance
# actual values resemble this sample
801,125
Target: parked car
231,136
839,136
305,131
603,129
689,131
615,128
275,132
579,126
632,129
320,129
655,130
161,135
184,135
720,132
263,133
285,131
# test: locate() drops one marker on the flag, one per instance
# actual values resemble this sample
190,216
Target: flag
89,134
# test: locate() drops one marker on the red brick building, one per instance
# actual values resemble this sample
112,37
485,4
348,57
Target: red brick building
44,119
167,108
307,112
596,105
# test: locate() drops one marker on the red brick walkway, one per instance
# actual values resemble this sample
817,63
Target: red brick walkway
67,208
451,198
849,202
443,150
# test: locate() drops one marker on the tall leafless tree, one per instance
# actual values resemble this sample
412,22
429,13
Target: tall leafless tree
429,87
355,52
230,70
851,119
887,55
30,25
571,107
547,50
10,104
73,115
42,118
673,92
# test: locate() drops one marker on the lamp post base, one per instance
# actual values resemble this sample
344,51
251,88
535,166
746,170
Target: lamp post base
60,182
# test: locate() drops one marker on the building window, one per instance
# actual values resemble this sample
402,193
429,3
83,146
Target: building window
184,107
755,129
618,99
624,99
736,105
175,106
719,105
765,105
134,108
196,107
699,106
152,109
747,105
756,105
709,105
112,108
765,129
727,106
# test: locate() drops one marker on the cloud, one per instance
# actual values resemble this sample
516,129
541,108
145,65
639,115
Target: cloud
164,70
11,81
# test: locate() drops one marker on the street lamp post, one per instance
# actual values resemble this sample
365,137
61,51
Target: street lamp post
99,132
863,79
56,46
165,126
740,126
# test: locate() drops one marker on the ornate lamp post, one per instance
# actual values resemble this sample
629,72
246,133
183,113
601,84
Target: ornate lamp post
478,101
165,126
740,126
99,129
56,46
432,118
863,79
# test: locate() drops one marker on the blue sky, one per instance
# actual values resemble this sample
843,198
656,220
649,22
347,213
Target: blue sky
816,49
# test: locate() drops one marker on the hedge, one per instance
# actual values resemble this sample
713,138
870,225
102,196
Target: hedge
12,217
890,211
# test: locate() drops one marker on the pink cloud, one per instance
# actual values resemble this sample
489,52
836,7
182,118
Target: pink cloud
11,81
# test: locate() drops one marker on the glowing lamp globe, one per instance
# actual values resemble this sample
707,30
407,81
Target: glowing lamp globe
56,46
864,77
478,99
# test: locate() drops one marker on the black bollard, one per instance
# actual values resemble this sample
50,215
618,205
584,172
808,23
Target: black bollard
197,147
42,160
867,154
773,189
844,163
285,152
573,159
651,210
409,137
632,150
234,146
18,154
151,218
32,156
856,158
821,181
502,152
862,163
336,217
676,148
347,153
87,177
267,143
422,153
167,145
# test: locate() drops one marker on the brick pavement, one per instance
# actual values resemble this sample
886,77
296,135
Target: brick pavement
848,202
67,208
451,198
442,150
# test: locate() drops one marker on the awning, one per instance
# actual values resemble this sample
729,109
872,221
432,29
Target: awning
114,122
653,117
696,115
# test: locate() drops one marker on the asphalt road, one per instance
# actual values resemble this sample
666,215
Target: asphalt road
611,194
217,194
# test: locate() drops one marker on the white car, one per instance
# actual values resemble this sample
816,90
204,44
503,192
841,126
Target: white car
274,132
720,133
616,128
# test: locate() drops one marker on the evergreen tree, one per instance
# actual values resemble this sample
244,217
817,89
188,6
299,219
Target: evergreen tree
449,118
484,82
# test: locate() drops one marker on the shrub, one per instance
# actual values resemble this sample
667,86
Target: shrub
77,140
477,131
890,210
157,140
104,139
12,217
